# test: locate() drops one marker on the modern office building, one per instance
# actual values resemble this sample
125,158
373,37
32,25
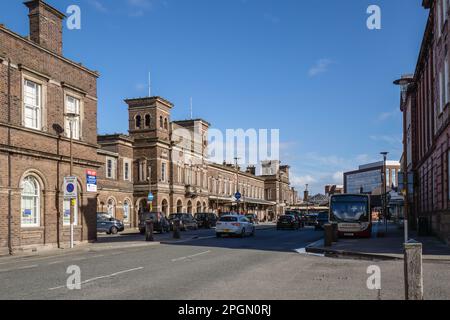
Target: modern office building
368,178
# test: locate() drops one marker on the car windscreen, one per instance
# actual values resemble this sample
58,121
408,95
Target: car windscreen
228,219
286,218
176,216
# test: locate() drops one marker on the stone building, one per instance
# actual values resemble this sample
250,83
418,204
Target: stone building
38,88
170,160
425,106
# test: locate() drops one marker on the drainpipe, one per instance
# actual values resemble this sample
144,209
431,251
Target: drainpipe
10,246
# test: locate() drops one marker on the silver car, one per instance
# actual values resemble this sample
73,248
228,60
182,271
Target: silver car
234,225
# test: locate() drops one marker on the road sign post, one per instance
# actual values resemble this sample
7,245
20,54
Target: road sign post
71,194
150,199
238,197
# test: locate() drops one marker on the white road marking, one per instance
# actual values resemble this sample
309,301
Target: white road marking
190,257
20,268
303,252
101,277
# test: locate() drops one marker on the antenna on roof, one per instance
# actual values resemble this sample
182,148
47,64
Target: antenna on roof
149,84
192,114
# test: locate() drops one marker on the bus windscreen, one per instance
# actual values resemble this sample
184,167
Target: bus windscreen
349,209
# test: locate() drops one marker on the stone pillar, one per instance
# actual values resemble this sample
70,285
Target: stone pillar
413,271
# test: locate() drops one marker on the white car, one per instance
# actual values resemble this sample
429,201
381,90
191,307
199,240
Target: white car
234,225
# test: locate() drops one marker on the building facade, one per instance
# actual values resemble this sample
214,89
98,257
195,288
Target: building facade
368,178
38,88
169,159
47,101
426,126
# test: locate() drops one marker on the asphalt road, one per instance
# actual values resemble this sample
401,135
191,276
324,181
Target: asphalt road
264,267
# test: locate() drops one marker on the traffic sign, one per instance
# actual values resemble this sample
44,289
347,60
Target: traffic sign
238,196
91,181
150,197
70,188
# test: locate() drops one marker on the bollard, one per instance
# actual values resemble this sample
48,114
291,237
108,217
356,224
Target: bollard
328,235
413,271
149,230
176,229
335,232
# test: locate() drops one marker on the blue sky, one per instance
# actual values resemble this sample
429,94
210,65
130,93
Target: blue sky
309,68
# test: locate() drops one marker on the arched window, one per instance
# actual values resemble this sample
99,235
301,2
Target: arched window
126,211
189,207
166,124
111,208
161,124
147,120
165,207
179,206
30,203
138,122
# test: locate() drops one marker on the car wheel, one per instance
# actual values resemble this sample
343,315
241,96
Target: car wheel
114,230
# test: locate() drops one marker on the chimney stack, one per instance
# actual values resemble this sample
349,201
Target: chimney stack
251,170
46,25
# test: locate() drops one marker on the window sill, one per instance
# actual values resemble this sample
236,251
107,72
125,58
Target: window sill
32,228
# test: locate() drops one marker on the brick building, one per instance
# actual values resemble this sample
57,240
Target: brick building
425,106
38,87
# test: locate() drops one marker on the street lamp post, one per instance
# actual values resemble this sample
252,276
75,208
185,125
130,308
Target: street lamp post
404,83
150,203
384,154
71,118
238,205
307,199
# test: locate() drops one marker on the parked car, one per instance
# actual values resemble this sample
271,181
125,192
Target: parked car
206,220
311,219
160,223
253,218
301,218
187,221
108,224
288,222
235,225
322,219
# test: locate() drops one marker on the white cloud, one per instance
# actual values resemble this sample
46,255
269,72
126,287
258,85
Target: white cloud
321,66
139,7
389,139
98,5
338,177
384,116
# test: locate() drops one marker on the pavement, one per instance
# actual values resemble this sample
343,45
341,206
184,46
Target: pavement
389,247
264,267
